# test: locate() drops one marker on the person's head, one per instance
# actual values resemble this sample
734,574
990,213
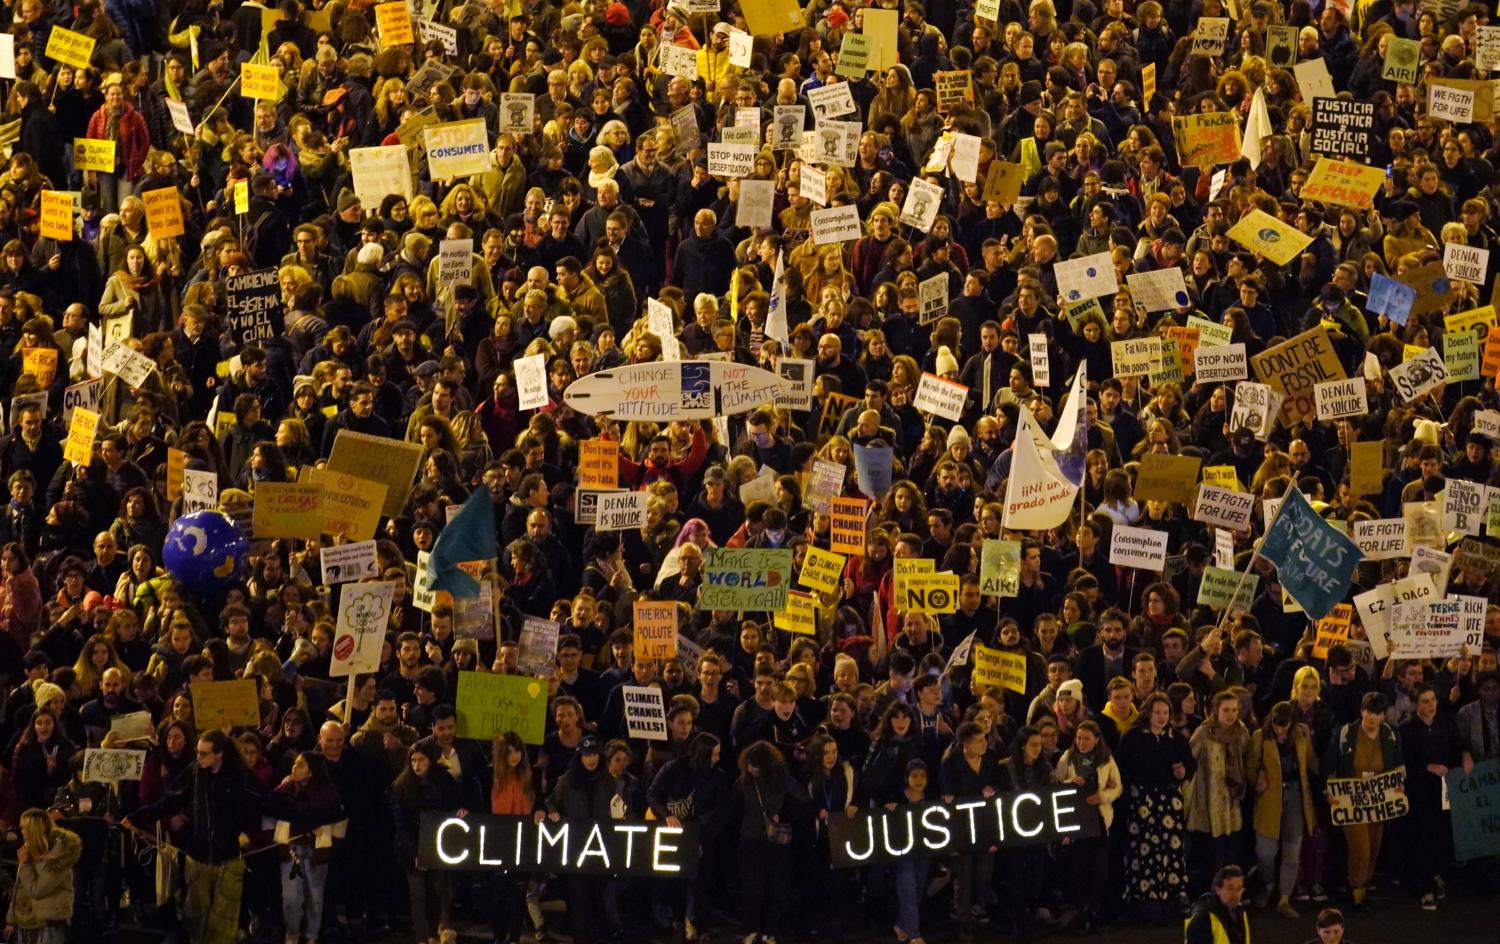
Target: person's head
1229,885
1330,925
212,747
1372,709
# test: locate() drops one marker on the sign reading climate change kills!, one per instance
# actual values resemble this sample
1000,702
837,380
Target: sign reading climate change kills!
878,836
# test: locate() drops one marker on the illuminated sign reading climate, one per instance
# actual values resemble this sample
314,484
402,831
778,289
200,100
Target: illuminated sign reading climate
581,847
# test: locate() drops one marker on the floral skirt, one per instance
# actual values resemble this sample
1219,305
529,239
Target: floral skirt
1156,853
53,932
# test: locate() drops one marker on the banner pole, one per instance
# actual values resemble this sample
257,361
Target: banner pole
1254,556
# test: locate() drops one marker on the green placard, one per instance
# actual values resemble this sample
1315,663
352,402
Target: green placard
854,55
1218,586
492,704
746,579
1000,568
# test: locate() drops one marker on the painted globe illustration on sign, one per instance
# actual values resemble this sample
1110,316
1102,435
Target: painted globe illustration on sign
1269,235
204,550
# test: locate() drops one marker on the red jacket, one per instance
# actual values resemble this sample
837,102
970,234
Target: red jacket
133,142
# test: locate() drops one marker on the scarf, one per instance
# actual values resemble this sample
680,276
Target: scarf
1233,741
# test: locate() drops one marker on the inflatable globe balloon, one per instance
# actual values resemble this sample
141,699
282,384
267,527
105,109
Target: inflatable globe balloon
203,551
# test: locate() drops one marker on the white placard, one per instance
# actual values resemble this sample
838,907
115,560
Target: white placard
1465,263
813,184
731,160
797,390
1141,548
621,511
181,120
1374,609
447,35
685,123
200,490
423,597
1223,549
345,562
1219,364
379,172
757,198
932,293
1434,563
1487,422
835,225
645,712
130,365
786,126
923,200
359,634
1224,509
531,381
1471,610
1313,80
1337,399
517,112
1255,407
1430,629
1159,289
1041,365
1419,375
940,397
964,162
832,101
741,44
1464,506
112,765
455,262
1381,538
1450,104
1086,277
677,60
86,394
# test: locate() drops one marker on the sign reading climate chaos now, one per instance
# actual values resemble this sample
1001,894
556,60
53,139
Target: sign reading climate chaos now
563,846
1006,819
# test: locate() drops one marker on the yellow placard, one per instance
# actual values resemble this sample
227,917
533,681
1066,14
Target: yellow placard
74,49
288,510
1206,140
260,82
1343,183
1366,467
94,154
391,463
176,465
1148,82
394,22
351,505
1222,476
881,26
41,363
773,17
79,448
598,463
1332,630
217,705
241,197
1167,478
164,212
1408,351
925,593
57,216
1466,320
821,570
1261,232
800,615
655,629
995,667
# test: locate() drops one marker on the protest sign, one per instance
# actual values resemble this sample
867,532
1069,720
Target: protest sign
954,88
1224,508
489,704
1210,36
1433,289
393,20
1381,538
378,459
1135,357
1314,560
731,160
940,396
854,55
1281,46
429,32
1464,506
1217,589
163,212
616,848
800,615
932,293
645,712
598,463
1342,183
1210,333
1004,820
1221,363
1255,407
455,262
56,218
359,635
1294,368
1002,182
1422,373
66,46
1489,364
112,765
934,593
1402,59
253,306
79,447
1167,478
40,363
1000,568
756,201
873,469
1222,476
1343,128
821,570
1450,104
1487,48
1142,548
457,148
288,510
1207,139
655,626
1261,232
923,199
745,579
133,726
1041,366
200,490
1332,630
342,563
1465,263
1086,277
1159,289
847,525
1313,79
621,511
826,482
261,82
838,224
1366,467
93,153
234,703
1461,355
994,667
380,171
1427,629
1474,799
1355,801
537,649
1337,399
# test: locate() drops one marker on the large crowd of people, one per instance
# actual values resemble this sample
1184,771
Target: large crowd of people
621,217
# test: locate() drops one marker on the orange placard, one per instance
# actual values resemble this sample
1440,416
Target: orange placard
164,212
57,216
847,526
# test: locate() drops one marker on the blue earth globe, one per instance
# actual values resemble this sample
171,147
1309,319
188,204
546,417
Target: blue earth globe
204,551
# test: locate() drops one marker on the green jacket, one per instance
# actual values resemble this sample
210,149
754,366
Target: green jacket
44,887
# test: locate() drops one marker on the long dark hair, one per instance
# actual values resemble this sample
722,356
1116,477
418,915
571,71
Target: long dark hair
700,751
766,761
883,729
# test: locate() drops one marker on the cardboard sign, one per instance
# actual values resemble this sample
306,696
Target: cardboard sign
1261,232
1354,801
1366,467
1141,548
1086,277
57,216
74,49
1422,373
112,765
1218,364
363,618
288,510
934,593
994,668
1466,263
93,154
745,579
343,563
489,704
393,20
655,626
1403,58
1294,368
1432,289
1167,478
253,306
847,525
455,148
645,712
1002,183
936,395
839,224
390,462
1135,357
1343,129
1217,590
217,705
1224,508
351,506
1207,140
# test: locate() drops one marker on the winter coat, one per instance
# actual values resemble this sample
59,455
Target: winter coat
1110,786
44,887
1213,804
133,142
1265,757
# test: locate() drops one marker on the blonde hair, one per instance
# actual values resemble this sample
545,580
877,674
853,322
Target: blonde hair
1305,675
39,832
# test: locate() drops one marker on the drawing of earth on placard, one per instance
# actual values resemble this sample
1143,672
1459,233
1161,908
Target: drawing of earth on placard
1269,235
1403,56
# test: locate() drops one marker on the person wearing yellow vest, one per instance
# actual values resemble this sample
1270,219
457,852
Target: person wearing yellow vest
1218,917
714,68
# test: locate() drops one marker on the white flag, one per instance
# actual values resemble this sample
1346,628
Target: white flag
1257,126
1037,494
776,316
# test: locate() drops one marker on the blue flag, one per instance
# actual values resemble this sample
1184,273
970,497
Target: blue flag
470,536
1314,560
